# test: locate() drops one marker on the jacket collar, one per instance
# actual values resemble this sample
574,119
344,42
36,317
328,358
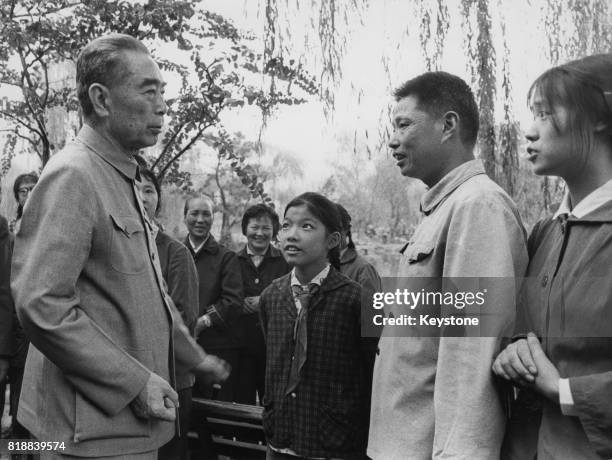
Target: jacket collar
449,183
125,164
348,256
589,204
332,281
602,214
210,246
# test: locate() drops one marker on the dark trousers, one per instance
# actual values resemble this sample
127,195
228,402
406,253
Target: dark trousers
177,448
251,373
206,449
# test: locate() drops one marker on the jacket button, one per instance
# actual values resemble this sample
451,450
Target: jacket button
256,280
293,395
544,280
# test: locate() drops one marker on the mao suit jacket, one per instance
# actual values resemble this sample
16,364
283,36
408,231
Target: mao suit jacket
89,293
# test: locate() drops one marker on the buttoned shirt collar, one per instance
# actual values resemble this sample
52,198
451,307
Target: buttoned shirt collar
435,195
589,203
109,152
257,259
195,248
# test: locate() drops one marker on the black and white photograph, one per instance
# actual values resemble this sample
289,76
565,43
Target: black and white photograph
306,229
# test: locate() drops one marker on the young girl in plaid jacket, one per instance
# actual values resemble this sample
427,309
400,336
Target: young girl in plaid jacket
317,389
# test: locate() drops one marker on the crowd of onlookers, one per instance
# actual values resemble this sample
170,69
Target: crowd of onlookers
217,292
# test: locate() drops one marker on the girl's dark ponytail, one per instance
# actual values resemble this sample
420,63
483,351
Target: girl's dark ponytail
334,257
345,220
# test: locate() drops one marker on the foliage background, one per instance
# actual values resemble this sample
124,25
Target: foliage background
270,98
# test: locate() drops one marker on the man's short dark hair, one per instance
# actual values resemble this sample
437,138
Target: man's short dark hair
101,62
440,92
257,211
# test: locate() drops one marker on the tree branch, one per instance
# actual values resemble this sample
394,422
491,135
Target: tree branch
18,120
168,144
184,149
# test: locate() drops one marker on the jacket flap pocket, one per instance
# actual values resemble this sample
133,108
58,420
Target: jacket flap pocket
127,224
418,251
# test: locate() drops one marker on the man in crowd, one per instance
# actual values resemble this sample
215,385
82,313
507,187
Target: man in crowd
105,336
6,308
433,396
220,293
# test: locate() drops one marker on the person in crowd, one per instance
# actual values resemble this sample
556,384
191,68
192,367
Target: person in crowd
181,277
220,293
261,263
105,336
6,308
563,352
351,263
317,384
23,185
433,396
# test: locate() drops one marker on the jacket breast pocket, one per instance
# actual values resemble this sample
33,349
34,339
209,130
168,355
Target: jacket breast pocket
418,252
128,246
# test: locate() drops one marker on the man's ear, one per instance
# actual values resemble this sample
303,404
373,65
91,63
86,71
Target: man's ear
450,125
99,97
333,240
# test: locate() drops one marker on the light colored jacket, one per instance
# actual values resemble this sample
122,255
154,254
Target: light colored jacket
434,397
89,293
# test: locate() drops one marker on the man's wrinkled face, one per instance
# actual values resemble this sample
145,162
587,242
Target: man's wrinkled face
198,219
136,104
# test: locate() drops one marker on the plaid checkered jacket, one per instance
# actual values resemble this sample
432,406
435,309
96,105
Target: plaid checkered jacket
327,415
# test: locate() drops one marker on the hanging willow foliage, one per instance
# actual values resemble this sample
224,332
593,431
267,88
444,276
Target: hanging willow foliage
331,21
432,37
482,66
508,131
571,28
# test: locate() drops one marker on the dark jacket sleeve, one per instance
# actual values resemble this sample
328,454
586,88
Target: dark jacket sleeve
229,304
6,301
183,283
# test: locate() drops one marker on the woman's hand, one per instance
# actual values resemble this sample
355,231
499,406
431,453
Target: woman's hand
525,363
516,363
547,379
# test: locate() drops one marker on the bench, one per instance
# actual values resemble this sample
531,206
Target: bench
236,429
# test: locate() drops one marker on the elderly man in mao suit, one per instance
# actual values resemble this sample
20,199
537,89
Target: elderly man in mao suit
106,339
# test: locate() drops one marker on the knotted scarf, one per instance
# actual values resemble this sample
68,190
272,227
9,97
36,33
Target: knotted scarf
300,333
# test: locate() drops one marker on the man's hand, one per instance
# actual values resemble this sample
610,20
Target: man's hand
547,379
516,363
251,304
156,400
212,370
4,367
